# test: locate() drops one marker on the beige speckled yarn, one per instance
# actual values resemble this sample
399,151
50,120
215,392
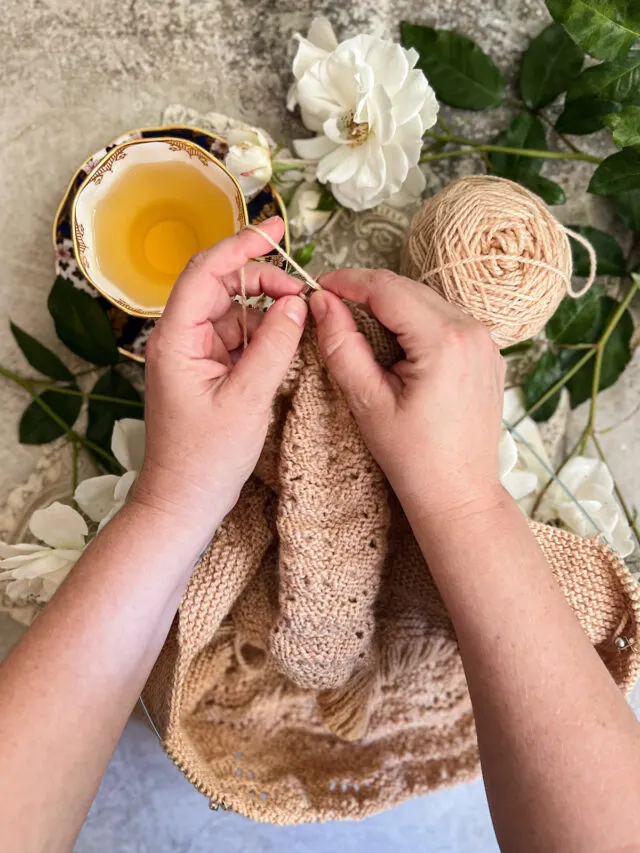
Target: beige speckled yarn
494,249
312,672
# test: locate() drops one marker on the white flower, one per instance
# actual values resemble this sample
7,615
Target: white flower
524,467
249,159
102,497
590,484
412,189
226,125
369,106
36,571
288,170
304,217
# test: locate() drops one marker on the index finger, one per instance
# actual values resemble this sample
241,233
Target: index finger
398,302
203,291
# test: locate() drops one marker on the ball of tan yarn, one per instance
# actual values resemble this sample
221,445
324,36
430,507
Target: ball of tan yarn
494,249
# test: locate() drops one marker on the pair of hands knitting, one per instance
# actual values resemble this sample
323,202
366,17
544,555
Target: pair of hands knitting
432,422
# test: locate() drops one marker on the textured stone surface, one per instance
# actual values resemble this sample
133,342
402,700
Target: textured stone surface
73,76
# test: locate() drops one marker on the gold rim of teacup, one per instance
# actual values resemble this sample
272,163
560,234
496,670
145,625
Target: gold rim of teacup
100,169
140,359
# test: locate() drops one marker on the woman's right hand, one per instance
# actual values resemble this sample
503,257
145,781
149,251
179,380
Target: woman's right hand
432,422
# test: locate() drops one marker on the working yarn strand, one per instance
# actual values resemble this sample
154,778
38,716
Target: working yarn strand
311,283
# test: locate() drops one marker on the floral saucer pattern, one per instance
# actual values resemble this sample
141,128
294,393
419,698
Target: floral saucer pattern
132,333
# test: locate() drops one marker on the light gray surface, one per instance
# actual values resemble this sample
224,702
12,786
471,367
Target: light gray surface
75,75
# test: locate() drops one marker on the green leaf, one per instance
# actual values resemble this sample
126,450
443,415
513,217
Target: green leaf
549,191
305,253
40,357
81,323
606,29
619,173
585,115
461,74
525,131
103,415
617,355
625,126
327,201
521,346
576,321
550,368
612,81
37,427
608,252
549,64
627,206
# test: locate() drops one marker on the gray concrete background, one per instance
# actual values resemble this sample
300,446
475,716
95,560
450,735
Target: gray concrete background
72,76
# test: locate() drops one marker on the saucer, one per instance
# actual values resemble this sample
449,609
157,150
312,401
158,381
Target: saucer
132,333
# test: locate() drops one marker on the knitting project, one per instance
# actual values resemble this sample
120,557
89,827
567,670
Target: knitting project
312,672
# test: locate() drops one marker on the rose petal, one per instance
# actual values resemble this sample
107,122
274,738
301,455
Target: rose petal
507,455
15,550
95,496
251,167
50,561
23,559
519,484
412,189
340,165
59,526
313,149
321,34
123,485
389,64
51,583
127,443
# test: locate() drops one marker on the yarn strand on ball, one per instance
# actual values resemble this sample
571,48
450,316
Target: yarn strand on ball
494,249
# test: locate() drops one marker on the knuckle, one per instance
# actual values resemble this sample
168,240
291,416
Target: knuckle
383,279
197,262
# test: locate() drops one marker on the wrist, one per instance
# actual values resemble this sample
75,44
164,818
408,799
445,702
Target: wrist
441,513
164,503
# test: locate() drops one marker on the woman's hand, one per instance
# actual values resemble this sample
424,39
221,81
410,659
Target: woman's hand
432,422
206,417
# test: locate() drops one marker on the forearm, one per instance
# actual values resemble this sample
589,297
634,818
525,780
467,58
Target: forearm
67,689
560,748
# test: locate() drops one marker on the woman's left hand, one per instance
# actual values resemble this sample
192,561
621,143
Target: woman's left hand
207,417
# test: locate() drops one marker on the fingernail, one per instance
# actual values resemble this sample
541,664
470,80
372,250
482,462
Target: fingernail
272,219
318,305
296,310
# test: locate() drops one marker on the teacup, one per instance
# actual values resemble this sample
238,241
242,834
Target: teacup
145,209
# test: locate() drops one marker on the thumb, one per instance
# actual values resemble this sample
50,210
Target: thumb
348,355
264,364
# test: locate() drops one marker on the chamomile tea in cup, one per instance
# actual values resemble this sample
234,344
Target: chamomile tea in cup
147,208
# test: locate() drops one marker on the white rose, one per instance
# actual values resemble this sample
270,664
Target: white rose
35,572
102,497
304,217
249,160
586,500
370,107
524,464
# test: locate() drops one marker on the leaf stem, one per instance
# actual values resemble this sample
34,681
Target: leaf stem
502,149
598,351
558,385
88,395
71,433
560,135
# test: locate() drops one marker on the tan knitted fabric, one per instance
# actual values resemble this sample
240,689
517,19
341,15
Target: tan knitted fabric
312,672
